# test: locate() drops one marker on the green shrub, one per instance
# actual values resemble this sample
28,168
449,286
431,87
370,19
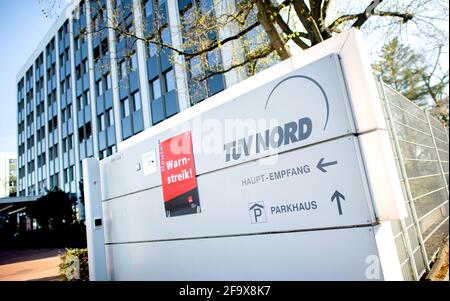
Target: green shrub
74,265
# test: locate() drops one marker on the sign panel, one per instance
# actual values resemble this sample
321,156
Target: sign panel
301,108
317,187
345,254
179,182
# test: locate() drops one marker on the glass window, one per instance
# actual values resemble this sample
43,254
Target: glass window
169,78
133,61
206,6
123,69
137,101
152,49
87,98
99,88
65,175
195,67
77,72
156,88
165,36
108,82
71,177
125,108
110,117
149,8
85,64
102,122
214,59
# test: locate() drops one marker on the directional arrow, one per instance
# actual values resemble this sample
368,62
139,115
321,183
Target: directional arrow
338,196
321,165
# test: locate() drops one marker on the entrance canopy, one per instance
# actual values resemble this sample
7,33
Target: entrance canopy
15,204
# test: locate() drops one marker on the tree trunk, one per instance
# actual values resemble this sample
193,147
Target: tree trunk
276,40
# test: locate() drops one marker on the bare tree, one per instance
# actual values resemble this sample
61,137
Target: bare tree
256,32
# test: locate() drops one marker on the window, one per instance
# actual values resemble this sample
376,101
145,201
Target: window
70,142
101,123
169,78
123,69
77,44
206,6
85,65
165,36
65,175
149,8
137,101
130,27
195,67
110,115
78,72
80,103
87,99
133,61
88,129
71,177
156,88
108,82
125,108
152,49
214,59
99,88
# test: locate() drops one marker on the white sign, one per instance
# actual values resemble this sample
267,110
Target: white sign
345,254
316,187
305,106
280,176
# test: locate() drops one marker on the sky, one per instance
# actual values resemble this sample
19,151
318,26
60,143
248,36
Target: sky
22,27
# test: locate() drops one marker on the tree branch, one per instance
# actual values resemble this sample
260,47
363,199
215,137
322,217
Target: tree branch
304,14
276,40
345,18
260,54
294,36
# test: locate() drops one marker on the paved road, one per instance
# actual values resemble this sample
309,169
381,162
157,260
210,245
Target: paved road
26,265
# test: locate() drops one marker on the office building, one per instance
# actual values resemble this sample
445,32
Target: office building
8,174
87,86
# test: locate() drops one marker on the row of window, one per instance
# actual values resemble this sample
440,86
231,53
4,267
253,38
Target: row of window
161,83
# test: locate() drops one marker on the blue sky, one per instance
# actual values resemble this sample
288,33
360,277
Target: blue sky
22,26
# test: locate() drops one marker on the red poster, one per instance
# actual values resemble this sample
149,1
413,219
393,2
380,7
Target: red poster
179,181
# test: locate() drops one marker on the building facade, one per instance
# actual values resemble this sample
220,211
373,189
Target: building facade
87,87
8,174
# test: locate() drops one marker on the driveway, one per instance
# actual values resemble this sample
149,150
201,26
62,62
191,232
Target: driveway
29,265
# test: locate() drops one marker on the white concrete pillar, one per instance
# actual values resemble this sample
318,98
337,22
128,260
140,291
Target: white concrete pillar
114,72
92,79
142,66
94,220
76,138
58,105
180,69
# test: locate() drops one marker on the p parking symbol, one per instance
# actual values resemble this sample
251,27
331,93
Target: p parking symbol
257,212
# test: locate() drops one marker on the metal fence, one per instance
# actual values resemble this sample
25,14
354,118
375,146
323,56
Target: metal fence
421,147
